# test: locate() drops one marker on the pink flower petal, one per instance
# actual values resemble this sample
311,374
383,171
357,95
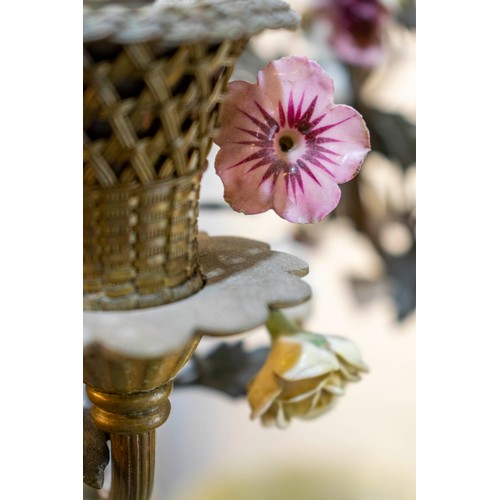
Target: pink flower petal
242,189
348,141
298,76
248,125
242,101
312,204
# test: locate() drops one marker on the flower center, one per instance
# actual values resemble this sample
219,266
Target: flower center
286,143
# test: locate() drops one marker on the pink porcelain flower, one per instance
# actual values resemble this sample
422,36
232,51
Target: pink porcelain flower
358,30
285,146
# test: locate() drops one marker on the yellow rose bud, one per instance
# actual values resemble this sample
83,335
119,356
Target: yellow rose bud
303,375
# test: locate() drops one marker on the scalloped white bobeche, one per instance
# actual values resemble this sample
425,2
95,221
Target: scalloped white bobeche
172,22
244,278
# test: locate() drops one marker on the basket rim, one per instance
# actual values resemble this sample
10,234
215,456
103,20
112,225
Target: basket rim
174,22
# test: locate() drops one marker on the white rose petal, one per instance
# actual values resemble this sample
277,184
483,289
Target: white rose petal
347,350
313,362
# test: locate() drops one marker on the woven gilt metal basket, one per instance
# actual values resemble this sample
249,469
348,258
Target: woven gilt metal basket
155,74
154,78
149,117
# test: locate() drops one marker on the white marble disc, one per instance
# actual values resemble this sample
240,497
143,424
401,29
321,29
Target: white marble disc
244,278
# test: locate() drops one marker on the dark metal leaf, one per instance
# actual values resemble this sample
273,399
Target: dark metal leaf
228,368
95,452
391,135
401,271
399,282
407,15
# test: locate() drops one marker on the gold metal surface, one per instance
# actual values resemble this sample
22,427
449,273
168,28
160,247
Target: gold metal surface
150,114
112,372
129,399
133,466
130,413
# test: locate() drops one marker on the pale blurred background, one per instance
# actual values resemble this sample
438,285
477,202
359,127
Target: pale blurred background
362,273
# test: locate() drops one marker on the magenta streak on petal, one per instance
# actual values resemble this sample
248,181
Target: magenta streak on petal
291,111
303,122
292,180
273,169
260,144
317,120
275,178
277,166
322,140
265,128
299,180
254,133
258,154
288,183
282,114
316,163
321,156
269,119
313,148
308,171
299,109
261,163
318,131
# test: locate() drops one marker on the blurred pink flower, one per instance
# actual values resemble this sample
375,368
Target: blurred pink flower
284,144
358,30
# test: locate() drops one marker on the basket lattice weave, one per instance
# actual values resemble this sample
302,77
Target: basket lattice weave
150,113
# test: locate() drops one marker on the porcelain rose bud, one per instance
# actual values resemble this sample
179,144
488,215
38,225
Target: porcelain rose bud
284,144
303,375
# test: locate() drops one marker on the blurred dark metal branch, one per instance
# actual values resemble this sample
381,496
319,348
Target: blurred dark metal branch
228,368
393,136
95,452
